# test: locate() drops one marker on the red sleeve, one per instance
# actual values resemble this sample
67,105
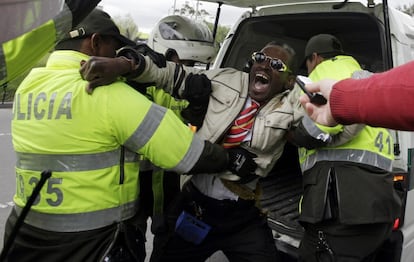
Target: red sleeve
385,99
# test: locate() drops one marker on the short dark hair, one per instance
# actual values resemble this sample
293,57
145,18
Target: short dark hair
292,63
70,44
75,43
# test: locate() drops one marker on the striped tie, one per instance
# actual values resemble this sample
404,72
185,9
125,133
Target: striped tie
241,126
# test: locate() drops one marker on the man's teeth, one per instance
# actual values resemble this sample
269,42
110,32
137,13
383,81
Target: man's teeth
262,78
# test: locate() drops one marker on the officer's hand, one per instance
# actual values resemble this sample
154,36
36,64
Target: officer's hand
100,71
197,89
241,162
194,114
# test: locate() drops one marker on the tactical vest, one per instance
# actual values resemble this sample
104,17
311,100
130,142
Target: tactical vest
371,146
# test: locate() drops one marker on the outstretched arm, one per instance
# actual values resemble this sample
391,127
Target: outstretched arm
384,99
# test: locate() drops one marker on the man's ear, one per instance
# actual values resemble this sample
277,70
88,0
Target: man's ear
313,61
95,44
319,59
248,65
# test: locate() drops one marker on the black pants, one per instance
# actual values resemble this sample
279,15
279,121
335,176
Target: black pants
170,189
34,244
335,242
239,229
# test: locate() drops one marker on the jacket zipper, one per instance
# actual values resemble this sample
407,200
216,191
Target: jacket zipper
122,166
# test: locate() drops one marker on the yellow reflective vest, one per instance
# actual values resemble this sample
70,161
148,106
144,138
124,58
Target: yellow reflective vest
371,146
21,53
162,98
30,30
89,142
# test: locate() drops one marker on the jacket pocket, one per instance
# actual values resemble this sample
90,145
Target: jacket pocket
223,100
279,120
314,195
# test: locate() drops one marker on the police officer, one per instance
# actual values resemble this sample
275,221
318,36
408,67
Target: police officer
195,45
349,203
89,142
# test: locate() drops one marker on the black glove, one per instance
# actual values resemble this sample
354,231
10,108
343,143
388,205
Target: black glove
194,114
242,164
171,55
197,89
157,58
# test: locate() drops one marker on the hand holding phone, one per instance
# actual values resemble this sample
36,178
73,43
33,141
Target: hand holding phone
314,98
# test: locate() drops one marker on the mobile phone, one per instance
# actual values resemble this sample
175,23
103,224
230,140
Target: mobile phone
314,98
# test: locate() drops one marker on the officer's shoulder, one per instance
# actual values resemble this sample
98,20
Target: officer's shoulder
120,89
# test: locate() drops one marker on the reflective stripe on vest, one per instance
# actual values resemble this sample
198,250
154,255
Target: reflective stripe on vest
71,163
190,157
314,130
81,221
350,155
146,129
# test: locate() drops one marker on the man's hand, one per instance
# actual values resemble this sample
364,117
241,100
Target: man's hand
319,113
241,163
100,71
197,92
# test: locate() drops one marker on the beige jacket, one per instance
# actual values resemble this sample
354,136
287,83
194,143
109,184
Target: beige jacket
229,94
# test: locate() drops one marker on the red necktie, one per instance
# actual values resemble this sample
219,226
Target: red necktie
241,126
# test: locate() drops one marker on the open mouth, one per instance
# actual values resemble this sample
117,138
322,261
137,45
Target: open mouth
261,82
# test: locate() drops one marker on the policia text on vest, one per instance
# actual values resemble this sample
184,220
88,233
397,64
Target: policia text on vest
40,106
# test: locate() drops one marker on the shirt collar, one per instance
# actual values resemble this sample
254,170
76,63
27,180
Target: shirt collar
66,59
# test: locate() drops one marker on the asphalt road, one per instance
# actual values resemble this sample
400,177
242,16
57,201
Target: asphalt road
7,181
7,159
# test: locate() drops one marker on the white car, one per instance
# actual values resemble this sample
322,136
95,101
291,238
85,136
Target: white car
379,37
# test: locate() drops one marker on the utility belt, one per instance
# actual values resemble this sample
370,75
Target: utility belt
244,191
